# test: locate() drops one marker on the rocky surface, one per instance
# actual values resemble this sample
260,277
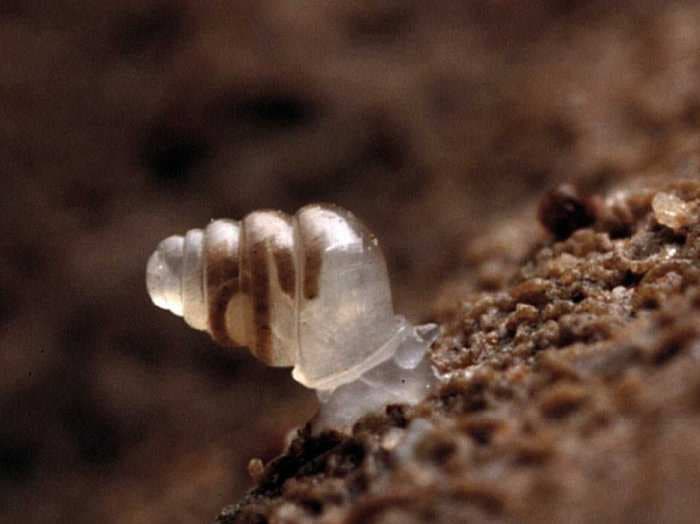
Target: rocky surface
571,394
440,124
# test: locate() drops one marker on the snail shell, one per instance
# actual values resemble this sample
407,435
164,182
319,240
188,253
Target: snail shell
309,291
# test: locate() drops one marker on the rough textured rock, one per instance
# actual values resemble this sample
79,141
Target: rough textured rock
571,394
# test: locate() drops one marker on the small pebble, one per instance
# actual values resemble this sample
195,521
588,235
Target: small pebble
563,210
671,211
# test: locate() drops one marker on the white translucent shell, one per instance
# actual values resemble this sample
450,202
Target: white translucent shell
324,305
164,275
174,277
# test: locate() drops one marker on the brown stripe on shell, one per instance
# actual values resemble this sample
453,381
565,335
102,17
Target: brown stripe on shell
244,258
222,283
312,267
259,292
286,272
310,247
218,303
313,244
283,255
284,262
312,234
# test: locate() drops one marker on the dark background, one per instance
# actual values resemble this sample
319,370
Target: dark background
124,122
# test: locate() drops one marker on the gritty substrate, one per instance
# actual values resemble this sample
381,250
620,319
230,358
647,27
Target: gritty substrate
571,392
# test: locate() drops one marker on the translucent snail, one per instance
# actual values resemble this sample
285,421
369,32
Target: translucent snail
309,291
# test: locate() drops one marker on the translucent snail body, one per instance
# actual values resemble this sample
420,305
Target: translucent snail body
309,291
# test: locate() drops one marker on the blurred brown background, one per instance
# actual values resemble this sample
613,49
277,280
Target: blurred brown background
124,122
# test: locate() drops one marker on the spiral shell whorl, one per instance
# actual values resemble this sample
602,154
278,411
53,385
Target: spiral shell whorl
164,274
222,270
175,277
